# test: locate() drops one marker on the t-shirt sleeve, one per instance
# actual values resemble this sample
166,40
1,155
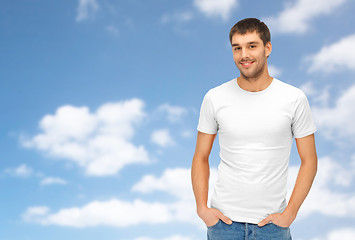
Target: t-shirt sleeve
207,122
302,121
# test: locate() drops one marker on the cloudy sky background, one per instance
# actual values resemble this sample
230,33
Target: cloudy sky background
100,102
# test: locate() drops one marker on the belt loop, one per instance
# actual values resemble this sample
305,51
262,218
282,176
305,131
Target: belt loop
246,231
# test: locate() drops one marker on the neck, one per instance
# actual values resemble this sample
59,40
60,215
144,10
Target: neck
255,84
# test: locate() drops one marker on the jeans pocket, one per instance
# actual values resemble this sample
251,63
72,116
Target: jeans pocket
284,228
209,227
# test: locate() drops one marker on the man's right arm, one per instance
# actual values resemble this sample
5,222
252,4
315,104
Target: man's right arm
200,173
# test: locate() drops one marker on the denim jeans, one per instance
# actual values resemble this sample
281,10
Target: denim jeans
247,231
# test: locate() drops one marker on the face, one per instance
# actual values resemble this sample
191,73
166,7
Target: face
250,54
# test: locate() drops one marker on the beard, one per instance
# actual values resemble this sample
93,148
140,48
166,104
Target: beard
250,74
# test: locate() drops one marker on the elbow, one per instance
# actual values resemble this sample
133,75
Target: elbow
200,158
315,163
310,163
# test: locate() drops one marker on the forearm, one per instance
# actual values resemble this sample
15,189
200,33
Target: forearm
305,177
200,173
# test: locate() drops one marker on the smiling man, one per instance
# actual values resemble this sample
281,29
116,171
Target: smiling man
257,117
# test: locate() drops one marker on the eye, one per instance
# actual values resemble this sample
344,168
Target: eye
252,46
236,48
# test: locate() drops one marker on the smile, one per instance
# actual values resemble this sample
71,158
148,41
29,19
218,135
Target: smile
247,64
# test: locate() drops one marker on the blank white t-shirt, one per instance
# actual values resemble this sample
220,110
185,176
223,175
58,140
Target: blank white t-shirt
256,131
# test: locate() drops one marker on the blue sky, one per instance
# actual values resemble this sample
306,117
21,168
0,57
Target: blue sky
100,102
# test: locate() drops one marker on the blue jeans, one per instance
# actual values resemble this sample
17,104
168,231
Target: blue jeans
247,231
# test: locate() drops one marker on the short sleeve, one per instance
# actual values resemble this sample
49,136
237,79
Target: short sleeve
302,121
207,122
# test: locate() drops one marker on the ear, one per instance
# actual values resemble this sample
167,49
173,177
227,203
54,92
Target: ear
268,49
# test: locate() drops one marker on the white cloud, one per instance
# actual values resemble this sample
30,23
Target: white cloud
98,142
336,122
320,96
178,17
35,214
120,213
86,9
167,183
336,57
322,198
53,180
309,89
181,189
21,171
174,237
112,30
296,17
162,137
274,71
342,233
111,213
209,8
173,113
187,133
212,8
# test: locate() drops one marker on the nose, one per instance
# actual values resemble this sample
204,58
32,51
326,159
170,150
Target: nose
245,53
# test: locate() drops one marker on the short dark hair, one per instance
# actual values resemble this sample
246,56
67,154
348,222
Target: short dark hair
250,25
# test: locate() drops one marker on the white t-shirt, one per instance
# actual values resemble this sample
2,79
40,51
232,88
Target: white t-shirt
256,131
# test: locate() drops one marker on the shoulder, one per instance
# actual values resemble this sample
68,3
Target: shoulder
221,89
289,90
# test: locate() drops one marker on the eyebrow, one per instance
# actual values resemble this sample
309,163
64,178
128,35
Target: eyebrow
250,43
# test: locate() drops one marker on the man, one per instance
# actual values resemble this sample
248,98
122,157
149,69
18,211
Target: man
256,117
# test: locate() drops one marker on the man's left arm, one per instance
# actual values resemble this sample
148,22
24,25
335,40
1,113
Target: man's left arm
308,169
